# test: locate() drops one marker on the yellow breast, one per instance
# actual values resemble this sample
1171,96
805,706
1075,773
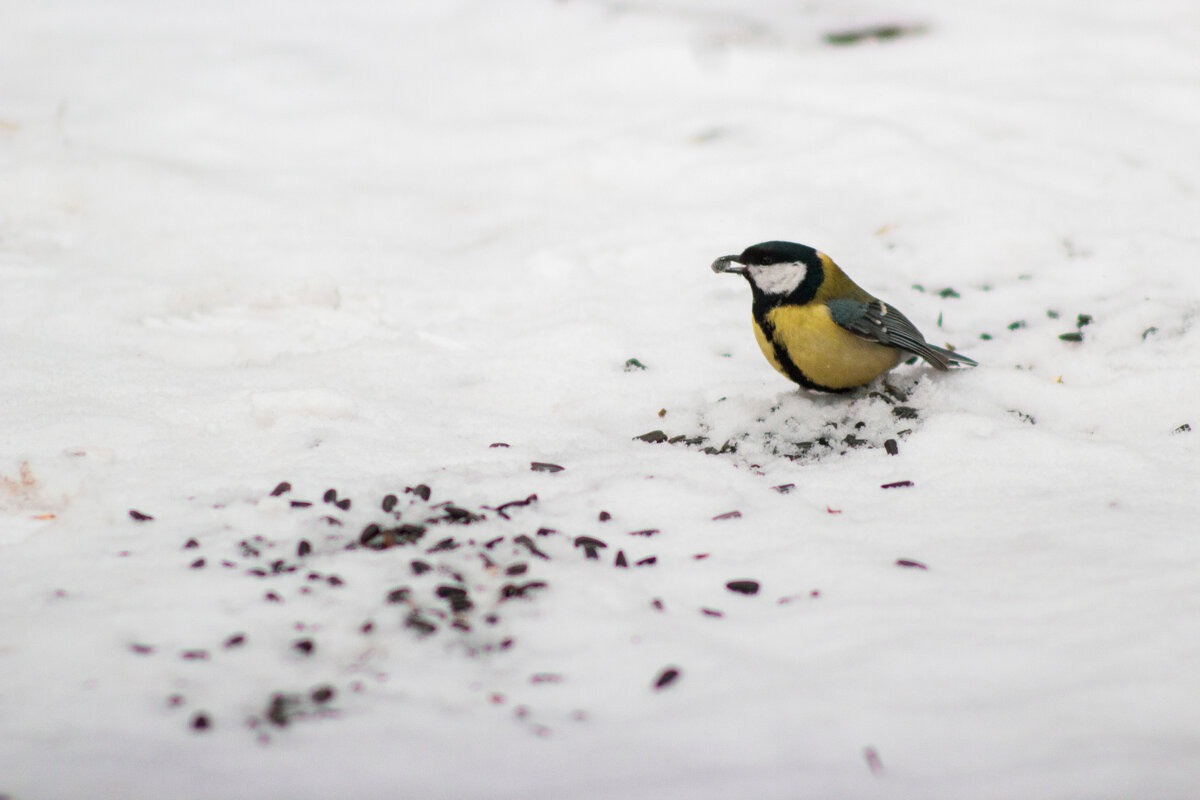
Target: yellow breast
827,354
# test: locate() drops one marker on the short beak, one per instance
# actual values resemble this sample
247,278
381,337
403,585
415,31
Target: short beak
727,264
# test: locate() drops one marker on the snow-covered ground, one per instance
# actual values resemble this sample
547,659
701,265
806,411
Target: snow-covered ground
355,245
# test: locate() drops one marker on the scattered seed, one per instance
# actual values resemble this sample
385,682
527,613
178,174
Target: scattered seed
711,612
344,505
335,581
1184,428
632,364
493,542
1082,320
420,567
666,677
657,604
897,485
422,626
647,532
322,694
420,490
303,548
200,721
605,516
304,646
272,597
647,562
389,502
300,504
1148,332
398,595
543,466
141,649
621,562
282,488
332,521
139,516
700,556
516,569
175,700
546,677
445,544
528,544
904,412
194,655
190,544
498,444
654,437
514,504
906,562
784,488
237,640
1074,336
546,531
369,535
330,496
743,587
366,627
891,447
197,564
590,545
728,515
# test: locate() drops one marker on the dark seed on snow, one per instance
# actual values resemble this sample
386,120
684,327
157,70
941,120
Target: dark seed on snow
897,485
332,521
418,623
304,646
646,532
647,562
272,597
300,504
334,580
190,544
493,542
420,490
398,595
621,562
784,488
657,604
389,502
344,505
1184,428
654,437
516,569
529,545
322,694
904,412
546,531
590,545
139,516
258,573
445,544
197,564
304,548
891,447
711,612
908,562
237,640
141,649
420,567
728,515
282,488
194,655
743,587
366,627
175,700
666,677
498,444
605,516
330,496
369,534
200,722
543,466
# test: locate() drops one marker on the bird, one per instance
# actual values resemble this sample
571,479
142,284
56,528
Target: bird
819,328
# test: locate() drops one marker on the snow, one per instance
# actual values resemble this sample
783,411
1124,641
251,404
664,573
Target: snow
354,246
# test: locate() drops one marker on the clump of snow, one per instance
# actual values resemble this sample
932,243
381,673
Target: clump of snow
369,248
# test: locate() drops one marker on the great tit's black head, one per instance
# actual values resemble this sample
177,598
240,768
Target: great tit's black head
777,271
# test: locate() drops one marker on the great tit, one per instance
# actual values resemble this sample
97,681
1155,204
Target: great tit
818,327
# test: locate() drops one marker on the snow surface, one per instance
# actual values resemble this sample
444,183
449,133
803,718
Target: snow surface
353,245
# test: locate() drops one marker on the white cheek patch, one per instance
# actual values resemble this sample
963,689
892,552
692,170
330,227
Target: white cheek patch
778,279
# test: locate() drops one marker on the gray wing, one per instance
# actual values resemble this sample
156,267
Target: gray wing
879,322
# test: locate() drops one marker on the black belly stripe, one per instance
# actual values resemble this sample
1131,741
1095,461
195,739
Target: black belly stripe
789,367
